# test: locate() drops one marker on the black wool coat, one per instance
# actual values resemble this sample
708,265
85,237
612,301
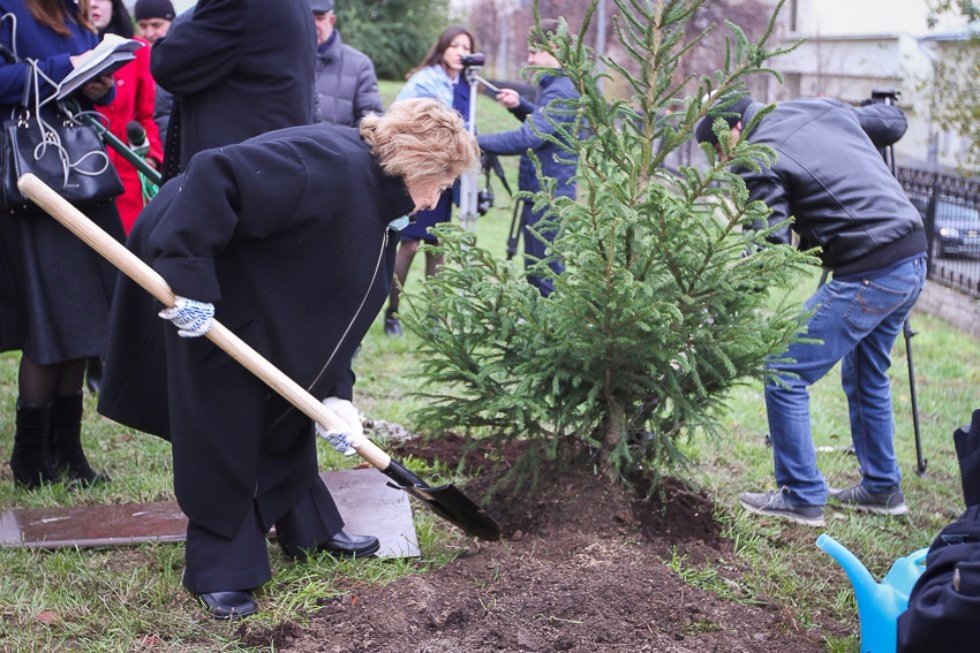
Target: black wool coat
286,234
238,68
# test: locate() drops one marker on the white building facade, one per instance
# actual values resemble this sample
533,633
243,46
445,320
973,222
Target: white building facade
852,47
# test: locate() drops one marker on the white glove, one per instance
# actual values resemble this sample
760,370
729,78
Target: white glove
193,319
353,435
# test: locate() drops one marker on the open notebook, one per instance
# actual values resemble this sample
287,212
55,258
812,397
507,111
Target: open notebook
107,57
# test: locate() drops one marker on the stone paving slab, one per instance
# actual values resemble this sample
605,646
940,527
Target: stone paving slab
367,504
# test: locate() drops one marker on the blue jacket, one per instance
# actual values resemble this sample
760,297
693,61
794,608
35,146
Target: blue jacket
429,82
556,162
35,41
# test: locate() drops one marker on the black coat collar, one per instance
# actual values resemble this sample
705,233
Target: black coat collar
395,200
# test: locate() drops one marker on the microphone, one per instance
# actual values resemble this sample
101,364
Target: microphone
136,135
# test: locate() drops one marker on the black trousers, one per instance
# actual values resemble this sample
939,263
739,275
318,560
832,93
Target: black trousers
219,564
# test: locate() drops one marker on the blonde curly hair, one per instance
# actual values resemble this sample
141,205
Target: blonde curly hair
421,140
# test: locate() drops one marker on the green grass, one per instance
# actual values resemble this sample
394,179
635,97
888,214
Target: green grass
130,599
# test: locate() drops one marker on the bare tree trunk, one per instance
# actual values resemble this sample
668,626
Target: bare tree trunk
502,62
614,431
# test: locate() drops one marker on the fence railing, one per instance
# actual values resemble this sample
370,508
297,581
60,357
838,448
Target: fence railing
950,210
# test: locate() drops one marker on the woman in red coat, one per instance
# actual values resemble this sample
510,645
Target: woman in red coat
135,97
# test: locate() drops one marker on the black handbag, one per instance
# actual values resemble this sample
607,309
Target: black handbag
58,147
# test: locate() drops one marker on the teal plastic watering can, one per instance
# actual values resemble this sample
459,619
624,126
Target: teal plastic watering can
879,604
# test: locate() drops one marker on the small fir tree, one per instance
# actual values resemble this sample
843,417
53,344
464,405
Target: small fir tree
665,302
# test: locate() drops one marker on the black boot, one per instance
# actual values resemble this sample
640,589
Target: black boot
30,460
66,438
93,374
393,326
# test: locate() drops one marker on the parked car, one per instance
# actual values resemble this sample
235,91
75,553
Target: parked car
957,227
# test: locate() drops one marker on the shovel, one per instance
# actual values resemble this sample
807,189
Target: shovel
447,501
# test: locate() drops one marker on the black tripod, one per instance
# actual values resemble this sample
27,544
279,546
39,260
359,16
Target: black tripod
890,96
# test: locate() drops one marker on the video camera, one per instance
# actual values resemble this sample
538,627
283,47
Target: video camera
475,60
882,96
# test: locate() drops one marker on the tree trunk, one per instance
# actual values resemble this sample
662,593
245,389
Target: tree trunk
614,430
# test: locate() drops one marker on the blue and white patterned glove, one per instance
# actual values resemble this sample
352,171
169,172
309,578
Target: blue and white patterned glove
345,442
192,318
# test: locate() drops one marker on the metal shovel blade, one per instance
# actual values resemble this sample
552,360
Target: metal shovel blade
447,501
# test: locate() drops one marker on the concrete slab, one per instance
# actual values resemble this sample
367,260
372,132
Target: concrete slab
367,504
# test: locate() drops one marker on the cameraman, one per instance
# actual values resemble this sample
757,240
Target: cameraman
556,162
945,602
830,178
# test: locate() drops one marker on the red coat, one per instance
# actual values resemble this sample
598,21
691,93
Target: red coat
135,96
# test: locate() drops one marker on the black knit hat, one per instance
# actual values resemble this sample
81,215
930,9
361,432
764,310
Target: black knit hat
730,111
146,9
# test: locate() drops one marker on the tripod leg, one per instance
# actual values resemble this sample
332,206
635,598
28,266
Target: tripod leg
514,233
921,462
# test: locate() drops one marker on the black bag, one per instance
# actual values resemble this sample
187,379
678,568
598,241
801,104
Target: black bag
64,152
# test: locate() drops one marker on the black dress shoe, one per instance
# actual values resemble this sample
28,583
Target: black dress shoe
344,545
340,545
229,605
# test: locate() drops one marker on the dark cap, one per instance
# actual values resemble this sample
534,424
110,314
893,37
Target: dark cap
728,109
146,9
321,6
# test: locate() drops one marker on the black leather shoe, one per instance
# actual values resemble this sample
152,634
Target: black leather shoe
340,545
229,605
344,545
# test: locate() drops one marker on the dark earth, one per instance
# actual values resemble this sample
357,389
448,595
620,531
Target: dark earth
582,568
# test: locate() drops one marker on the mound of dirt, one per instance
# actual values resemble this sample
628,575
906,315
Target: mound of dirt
582,569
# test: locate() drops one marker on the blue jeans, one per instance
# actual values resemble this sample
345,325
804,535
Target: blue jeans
857,321
536,247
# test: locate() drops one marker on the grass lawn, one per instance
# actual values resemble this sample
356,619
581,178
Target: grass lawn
132,599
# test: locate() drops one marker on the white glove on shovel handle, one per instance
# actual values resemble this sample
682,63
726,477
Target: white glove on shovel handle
352,437
192,318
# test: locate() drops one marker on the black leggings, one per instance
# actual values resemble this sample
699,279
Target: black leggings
41,384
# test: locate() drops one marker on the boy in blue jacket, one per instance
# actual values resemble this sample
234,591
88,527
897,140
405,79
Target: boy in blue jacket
556,95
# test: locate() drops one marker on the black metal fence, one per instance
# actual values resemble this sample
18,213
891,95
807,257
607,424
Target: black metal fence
951,213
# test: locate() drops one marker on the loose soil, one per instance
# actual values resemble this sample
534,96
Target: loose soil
581,569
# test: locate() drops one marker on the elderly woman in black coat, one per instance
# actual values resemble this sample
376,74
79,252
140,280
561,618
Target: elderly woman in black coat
287,238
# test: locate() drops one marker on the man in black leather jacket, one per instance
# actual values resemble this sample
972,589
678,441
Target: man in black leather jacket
830,178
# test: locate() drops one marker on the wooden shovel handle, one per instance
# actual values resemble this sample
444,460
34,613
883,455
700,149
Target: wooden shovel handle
134,268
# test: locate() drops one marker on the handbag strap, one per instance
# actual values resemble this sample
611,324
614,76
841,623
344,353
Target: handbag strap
10,54
29,81
51,136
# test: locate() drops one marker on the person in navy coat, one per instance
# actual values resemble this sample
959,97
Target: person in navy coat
288,239
236,69
54,290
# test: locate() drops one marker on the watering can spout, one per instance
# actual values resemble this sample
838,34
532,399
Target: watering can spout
865,588
879,604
